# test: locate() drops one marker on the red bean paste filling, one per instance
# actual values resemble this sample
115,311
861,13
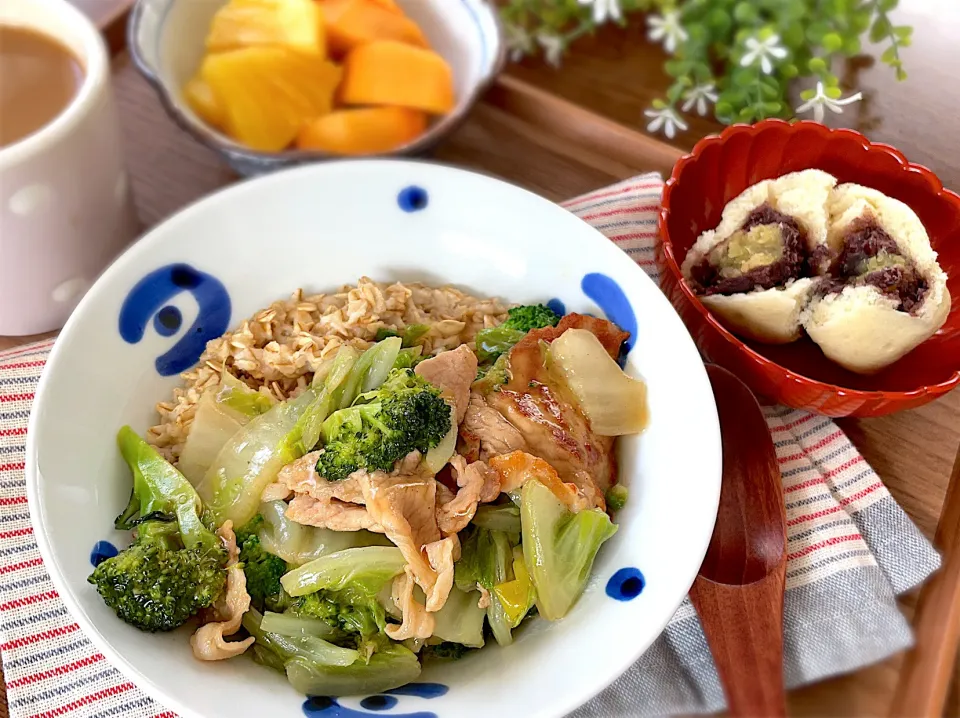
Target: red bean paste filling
791,265
865,239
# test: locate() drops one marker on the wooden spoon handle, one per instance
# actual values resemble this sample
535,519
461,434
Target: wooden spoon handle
744,627
929,667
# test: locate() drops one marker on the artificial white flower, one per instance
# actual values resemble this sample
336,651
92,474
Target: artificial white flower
821,100
519,42
666,27
668,119
553,47
603,9
700,96
763,51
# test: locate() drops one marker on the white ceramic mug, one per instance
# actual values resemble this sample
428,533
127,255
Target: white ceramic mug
65,205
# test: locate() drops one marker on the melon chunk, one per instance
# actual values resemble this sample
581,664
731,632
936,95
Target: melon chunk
287,23
392,73
269,93
364,131
351,23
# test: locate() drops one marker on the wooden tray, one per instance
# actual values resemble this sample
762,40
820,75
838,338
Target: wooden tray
567,150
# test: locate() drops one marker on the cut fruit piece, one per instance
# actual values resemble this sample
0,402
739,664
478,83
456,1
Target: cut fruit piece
285,23
352,23
363,131
269,93
390,5
204,103
392,73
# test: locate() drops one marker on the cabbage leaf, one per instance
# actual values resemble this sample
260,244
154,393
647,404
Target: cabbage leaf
559,547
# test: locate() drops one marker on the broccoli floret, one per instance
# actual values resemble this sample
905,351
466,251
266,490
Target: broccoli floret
263,570
491,378
405,414
156,584
531,316
349,611
496,341
175,567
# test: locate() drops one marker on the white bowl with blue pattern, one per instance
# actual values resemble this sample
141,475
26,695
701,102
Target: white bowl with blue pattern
319,227
166,39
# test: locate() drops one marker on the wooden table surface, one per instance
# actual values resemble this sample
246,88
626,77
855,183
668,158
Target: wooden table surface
617,73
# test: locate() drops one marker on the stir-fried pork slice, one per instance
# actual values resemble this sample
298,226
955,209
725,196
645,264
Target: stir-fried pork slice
476,483
301,477
444,496
490,490
442,555
405,506
334,515
276,492
208,642
518,467
335,505
485,433
555,430
552,426
452,372
417,622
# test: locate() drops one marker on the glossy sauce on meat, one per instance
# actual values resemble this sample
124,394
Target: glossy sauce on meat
552,426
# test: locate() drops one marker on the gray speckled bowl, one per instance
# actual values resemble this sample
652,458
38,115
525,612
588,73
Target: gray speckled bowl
166,40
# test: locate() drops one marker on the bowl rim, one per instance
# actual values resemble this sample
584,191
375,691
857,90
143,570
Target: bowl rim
221,143
669,258
33,476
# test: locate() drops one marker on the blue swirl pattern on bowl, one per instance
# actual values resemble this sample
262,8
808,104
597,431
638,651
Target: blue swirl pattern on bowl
148,300
613,301
329,707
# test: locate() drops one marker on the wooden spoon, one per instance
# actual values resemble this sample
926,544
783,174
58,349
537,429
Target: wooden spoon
739,591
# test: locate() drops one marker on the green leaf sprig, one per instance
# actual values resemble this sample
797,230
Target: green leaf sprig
736,56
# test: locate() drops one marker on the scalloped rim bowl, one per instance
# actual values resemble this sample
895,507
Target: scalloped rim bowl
766,376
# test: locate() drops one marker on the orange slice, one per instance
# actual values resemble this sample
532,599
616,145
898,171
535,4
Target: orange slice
351,23
393,73
364,131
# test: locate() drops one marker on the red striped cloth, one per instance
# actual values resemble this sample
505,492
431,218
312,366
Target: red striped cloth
53,670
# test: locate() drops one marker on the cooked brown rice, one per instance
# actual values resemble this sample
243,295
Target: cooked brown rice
278,349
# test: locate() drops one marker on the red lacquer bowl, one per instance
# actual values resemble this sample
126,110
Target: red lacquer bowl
798,374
